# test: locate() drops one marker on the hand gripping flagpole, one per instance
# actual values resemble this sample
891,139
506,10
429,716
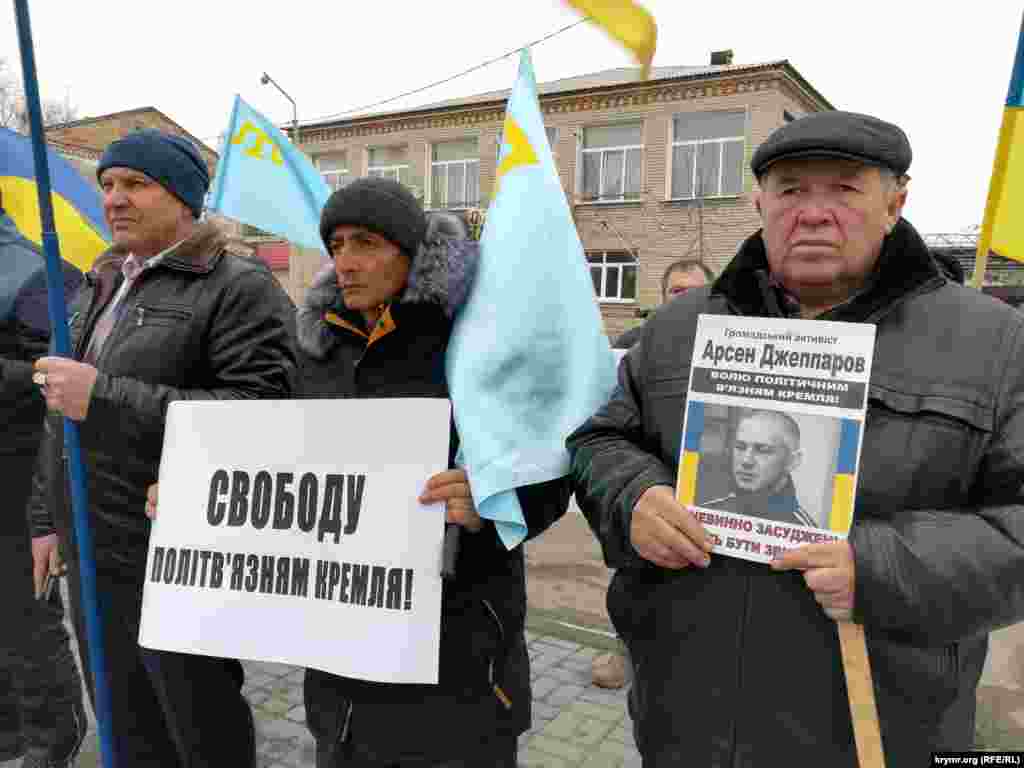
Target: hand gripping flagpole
62,347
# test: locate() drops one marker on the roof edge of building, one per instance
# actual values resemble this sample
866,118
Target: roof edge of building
732,70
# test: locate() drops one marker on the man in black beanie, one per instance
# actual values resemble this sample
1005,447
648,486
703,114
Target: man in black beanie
377,324
166,314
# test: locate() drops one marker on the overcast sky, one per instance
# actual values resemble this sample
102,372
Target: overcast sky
940,73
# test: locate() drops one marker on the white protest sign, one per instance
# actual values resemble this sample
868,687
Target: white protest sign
772,431
290,531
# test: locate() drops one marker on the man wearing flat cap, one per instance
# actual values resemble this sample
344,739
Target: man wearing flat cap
738,663
166,314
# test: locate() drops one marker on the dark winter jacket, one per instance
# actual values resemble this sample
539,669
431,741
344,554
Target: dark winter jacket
628,338
736,665
202,325
24,335
483,608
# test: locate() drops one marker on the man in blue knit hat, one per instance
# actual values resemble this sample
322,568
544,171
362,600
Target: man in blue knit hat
166,314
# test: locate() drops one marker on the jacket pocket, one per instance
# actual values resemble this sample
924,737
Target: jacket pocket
496,664
920,451
161,314
471,636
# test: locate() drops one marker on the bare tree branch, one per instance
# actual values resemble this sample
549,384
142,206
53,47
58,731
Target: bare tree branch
12,103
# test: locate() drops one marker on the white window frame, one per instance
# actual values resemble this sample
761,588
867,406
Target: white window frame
336,172
698,143
606,267
624,148
393,172
466,204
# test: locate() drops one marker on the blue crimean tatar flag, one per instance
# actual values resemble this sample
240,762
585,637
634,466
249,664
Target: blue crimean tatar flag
528,361
265,181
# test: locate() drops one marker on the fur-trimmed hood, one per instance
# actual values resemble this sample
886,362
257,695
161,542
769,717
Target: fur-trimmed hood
441,274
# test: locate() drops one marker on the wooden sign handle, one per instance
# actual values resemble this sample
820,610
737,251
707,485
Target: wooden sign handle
861,692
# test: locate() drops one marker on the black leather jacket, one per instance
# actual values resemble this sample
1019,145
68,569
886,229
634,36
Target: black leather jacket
737,665
202,325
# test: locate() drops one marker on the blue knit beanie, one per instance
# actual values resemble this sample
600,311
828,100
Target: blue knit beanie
171,161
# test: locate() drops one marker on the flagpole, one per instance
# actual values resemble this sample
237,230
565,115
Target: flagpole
62,347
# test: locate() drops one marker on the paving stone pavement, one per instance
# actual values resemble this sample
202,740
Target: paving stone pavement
574,723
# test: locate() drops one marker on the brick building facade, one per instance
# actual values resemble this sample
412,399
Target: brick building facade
95,133
654,170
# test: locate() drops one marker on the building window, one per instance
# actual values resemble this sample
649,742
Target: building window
552,134
334,169
707,154
614,275
389,163
612,162
455,174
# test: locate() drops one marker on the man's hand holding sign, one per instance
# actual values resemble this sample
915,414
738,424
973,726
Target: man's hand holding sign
666,533
452,487
828,571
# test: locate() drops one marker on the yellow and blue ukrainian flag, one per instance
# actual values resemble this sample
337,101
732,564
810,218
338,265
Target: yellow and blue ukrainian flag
528,360
265,181
1002,230
77,206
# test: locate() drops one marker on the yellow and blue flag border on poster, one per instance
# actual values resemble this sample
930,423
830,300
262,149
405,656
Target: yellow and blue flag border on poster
689,461
840,516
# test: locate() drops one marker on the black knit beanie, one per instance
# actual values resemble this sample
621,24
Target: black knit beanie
171,161
381,205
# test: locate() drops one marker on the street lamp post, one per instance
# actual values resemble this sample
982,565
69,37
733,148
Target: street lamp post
295,110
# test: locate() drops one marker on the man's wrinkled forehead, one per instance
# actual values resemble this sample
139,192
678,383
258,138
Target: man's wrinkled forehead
797,169
125,174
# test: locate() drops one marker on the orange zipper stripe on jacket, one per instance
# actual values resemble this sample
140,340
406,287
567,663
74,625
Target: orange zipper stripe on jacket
384,326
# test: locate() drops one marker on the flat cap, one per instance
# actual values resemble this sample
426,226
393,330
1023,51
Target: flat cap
846,135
